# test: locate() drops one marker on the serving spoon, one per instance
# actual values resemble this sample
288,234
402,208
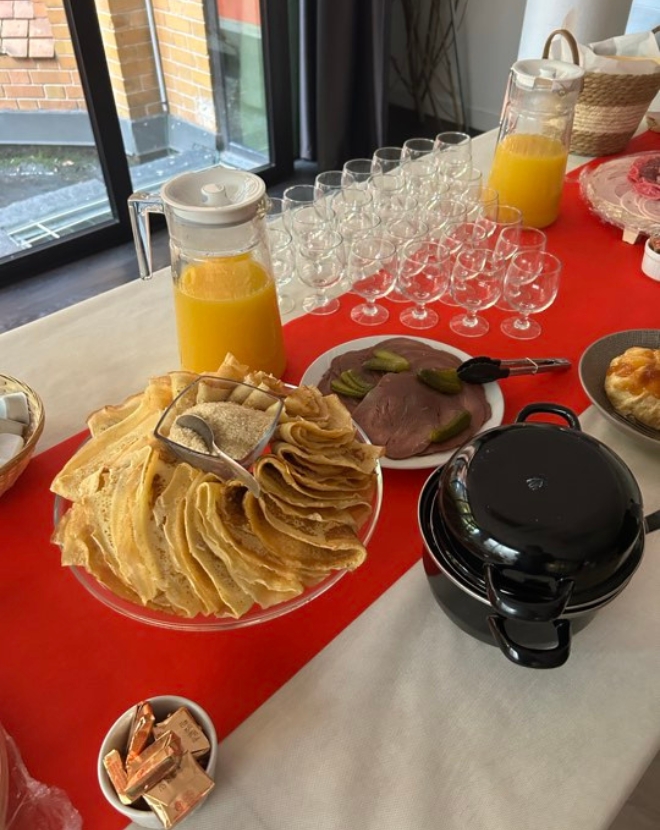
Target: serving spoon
233,469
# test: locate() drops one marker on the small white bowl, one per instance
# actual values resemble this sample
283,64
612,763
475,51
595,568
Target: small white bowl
651,261
117,737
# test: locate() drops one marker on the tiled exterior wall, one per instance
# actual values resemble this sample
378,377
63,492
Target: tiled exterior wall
38,68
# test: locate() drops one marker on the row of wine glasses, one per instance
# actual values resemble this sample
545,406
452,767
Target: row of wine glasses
414,223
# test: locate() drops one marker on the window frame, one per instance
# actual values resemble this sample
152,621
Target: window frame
89,51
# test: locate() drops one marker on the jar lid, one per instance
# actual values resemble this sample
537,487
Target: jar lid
215,196
542,503
548,75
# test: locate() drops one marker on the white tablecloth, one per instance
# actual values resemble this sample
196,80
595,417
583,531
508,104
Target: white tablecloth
403,721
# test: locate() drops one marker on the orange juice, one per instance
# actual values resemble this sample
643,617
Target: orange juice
528,173
228,304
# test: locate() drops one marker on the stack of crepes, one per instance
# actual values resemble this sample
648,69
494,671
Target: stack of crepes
165,535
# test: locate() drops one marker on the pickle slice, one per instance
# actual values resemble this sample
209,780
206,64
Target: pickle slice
350,391
458,423
384,361
355,381
444,380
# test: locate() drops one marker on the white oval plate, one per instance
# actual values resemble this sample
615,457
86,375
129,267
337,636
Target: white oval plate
594,364
320,366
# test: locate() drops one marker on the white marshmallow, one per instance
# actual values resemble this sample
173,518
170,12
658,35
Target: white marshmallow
10,445
14,405
13,427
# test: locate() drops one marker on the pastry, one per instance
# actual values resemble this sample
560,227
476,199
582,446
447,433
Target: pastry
632,384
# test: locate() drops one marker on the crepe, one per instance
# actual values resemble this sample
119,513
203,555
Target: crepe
160,533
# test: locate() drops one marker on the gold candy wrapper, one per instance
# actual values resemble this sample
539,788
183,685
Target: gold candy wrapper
159,759
183,725
173,798
140,732
114,766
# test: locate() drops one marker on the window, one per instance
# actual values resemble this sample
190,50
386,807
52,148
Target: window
101,99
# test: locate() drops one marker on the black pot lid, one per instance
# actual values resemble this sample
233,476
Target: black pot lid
536,505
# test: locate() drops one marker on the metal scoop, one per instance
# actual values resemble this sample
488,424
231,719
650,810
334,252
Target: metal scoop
227,467
487,369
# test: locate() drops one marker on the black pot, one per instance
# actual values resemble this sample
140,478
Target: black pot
529,529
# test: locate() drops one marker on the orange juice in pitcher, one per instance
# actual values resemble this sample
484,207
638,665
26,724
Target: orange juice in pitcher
528,173
224,291
535,131
228,305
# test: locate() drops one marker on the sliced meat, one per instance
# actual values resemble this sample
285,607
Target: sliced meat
401,412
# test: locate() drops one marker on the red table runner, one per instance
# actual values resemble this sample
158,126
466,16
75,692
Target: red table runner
69,665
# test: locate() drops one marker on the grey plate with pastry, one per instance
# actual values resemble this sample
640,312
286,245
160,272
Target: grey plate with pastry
594,363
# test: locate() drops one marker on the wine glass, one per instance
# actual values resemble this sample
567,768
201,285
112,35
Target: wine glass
421,177
453,152
351,200
354,226
516,238
386,160
309,221
441,210
402,229
275,212
480,200
414,148
320,264
530,285
383,186
372,271
497,217
293,198
424,269
356,172
465,182
283,260
328,182
476,284
457,235
519,238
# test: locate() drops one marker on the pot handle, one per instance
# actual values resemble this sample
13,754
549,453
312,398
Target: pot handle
532,658
553,409
542,611
652,521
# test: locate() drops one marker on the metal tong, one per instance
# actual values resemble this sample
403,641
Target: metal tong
487,369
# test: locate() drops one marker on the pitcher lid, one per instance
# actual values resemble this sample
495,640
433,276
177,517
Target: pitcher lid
547,74
215,196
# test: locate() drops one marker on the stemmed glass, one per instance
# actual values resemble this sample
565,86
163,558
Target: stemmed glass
530,285
457,235
480,200
421,177
356,172
453,151
310,221
519,238
442,210
283,260
372,270
497,217
386,160
476,284
516,238
424,269
320,264
400,230
414,148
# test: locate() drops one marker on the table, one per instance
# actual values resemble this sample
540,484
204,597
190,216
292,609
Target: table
401,720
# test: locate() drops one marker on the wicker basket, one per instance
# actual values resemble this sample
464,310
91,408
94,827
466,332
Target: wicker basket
610,107
15,466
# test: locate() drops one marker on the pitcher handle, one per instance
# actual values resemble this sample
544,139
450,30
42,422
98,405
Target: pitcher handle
140,205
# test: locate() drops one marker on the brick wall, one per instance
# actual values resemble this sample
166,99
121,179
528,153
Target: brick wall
38,70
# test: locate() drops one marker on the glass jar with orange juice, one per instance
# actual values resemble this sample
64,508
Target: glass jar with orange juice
534,138
224,291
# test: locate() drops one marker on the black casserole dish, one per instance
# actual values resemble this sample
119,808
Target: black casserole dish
528,530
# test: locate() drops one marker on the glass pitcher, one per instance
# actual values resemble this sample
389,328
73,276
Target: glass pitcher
224,292
534,138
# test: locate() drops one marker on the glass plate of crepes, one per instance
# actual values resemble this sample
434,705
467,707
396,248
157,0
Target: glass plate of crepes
170,544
